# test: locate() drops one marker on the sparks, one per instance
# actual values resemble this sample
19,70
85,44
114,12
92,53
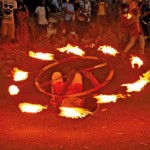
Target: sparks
72,49
108,50
31,108
19,75
109,98
13,90
138,85
42,56
74,112
137,61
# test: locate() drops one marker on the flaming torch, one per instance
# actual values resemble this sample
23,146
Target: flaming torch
72,49
31,108
138,85
19,75
128,15
42,56
109,98
108,50
13,90
136,60
74,112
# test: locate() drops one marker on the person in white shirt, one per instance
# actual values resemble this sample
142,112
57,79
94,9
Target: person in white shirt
41,16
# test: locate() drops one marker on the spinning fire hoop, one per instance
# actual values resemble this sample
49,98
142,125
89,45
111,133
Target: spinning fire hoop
103,63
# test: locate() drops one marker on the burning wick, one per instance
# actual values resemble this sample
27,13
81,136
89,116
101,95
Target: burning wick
128,16
31,108
72,49
19,75
137,61
138,85
108,50
13,90
42,56
109,98
74,112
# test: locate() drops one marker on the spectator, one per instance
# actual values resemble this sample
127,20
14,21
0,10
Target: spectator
7,23
22,30
41,16
69,13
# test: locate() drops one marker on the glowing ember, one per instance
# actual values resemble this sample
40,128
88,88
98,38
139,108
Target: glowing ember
108,50
128,16
42,56
109,98
138,85
72,49
19,75
137,61
31,108
13,90
74,112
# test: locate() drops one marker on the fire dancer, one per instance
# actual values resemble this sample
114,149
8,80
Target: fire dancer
72,85
130,23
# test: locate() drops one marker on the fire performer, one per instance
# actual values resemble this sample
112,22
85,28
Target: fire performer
72,85
129,23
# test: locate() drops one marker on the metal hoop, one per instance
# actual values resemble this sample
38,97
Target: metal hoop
108,78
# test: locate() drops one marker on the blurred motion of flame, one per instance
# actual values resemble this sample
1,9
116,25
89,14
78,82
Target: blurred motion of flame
19,75
136,60
31,108
108,50
13,90
109,98
42,56
72,49
138,85
74,112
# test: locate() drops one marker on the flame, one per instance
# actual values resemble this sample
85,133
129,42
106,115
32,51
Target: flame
72,49
128,16
13,90
31,108
108,50
109,98
138,85
136,60
74,112
19,75
40,55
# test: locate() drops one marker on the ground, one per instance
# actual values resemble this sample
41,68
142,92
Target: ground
123,125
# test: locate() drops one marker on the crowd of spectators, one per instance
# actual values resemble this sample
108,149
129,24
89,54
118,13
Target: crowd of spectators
78,22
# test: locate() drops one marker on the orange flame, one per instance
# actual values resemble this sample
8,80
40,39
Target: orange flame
31,108
13,90
138,85
136,60
19,75
128,16
72,49
109,98
42,56
108,50
74,112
